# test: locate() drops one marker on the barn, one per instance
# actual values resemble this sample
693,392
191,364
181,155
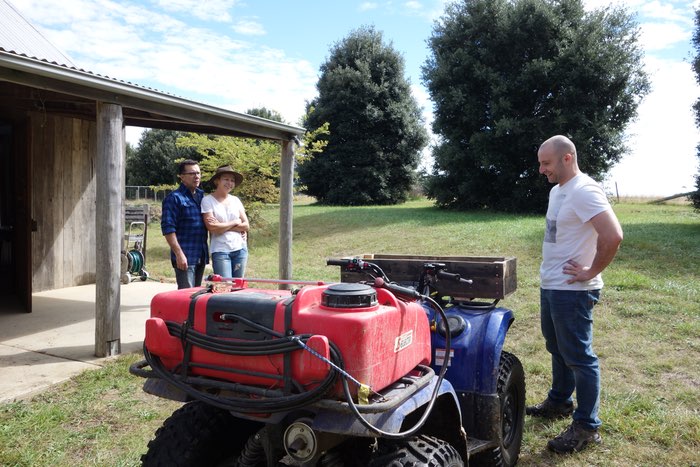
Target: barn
62,153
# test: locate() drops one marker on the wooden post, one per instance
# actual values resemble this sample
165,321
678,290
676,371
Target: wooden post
286,198
109,223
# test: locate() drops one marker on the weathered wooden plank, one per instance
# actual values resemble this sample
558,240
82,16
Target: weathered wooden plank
44,204
109,227
136,213
76,240
286,200
38,138
61,158
63,202
89,199
59,200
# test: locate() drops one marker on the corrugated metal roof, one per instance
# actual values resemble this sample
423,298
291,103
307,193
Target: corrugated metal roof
19,36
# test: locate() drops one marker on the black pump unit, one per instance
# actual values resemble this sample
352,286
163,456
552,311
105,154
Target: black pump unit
349,296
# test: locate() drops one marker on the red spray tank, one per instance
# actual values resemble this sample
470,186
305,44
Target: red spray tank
379,337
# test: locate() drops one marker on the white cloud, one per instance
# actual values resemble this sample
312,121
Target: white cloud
666,11
664,138
46,12
428,9
413,5
211,10
249,27
158,50
660,36
133,135
663,23
366,6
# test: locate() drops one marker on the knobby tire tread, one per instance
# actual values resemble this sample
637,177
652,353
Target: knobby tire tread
418,451
192,436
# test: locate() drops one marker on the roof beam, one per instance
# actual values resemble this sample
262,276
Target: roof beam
43,75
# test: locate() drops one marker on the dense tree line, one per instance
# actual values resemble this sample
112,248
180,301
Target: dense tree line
154,160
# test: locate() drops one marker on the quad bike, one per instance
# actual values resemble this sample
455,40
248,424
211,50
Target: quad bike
365,372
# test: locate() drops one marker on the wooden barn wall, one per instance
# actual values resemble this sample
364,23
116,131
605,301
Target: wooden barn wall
63,201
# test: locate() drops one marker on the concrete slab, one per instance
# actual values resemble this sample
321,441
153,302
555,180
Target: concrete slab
57,340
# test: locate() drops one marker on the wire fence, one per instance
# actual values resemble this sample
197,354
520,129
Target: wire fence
146,193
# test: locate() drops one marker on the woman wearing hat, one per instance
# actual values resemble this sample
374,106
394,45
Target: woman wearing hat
226,220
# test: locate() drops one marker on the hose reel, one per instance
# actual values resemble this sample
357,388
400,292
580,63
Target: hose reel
135,261
133,258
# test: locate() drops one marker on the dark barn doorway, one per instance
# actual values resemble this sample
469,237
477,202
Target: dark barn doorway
15,227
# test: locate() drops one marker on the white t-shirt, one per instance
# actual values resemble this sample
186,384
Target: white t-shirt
568,234
226,211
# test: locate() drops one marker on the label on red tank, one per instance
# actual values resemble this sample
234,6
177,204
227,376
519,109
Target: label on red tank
403,341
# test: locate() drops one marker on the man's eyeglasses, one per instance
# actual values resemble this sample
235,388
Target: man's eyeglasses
191,173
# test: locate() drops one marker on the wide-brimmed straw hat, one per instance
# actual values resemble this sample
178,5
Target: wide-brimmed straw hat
227,169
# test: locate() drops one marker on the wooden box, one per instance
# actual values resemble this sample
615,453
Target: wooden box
492,277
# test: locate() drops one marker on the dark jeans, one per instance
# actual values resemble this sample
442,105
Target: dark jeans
567,327
192,277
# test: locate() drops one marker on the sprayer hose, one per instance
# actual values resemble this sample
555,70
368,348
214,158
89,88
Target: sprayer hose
245,404
135,261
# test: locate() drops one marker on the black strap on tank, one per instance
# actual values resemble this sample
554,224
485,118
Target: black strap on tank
287,356
186,326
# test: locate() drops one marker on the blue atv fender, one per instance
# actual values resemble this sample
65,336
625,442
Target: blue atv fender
477,342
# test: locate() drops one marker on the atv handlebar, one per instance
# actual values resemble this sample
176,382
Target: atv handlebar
452,277
351,264
397,289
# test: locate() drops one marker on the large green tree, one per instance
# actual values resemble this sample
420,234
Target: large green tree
505,75
154,160
376,132
264,112
695,197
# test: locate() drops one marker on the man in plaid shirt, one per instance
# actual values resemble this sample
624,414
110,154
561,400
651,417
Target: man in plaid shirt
184,229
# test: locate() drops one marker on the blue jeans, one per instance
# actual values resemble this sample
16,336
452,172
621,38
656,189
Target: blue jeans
567,326
192,277
231,264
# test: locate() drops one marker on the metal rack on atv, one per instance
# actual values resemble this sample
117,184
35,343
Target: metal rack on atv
363,373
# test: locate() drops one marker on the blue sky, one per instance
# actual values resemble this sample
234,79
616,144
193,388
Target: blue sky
240,54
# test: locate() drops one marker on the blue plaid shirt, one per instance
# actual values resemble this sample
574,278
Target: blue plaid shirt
182,215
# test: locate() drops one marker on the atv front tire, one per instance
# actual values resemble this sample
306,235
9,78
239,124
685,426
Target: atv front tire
198,434
511,392
414,452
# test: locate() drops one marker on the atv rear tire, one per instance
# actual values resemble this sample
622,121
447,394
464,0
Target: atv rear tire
198,434
414,452
511,392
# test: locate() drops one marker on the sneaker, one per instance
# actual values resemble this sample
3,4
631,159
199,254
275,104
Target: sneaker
574,439
550,409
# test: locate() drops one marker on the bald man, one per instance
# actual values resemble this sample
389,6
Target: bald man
582,236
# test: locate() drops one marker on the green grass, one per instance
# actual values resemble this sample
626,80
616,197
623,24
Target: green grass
647,334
